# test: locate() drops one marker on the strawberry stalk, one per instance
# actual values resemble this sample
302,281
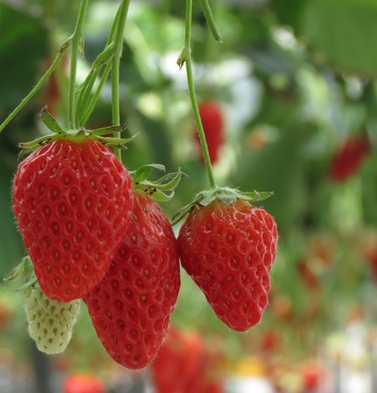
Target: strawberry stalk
45,76
77,38
211,21
85,100
225,194
185,58
118,43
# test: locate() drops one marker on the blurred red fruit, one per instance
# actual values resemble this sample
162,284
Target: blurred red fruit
211,115
83,383
179,365
348,158
312,374
270,340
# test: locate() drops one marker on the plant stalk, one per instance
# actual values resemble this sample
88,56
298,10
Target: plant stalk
115,65
186,58
76,42
50,70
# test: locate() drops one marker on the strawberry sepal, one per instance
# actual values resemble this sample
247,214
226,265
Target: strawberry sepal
25,270
225,194
99,134
162,189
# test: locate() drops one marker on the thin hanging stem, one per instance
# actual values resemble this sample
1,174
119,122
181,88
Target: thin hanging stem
96,94
115,62
50,70
185,58
211,21
76,42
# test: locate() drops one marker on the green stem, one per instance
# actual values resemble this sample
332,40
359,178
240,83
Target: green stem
210,20
186,57
84,98
50,70
76,41
115,64
96,94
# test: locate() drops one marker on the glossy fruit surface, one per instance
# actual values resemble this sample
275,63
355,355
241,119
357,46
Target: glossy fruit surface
228,250
131,307
72,202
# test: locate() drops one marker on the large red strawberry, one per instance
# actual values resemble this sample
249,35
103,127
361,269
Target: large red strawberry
228,249
72,201
348,158
131,307
212,118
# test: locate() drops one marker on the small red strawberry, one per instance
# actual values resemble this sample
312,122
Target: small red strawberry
72,200
312,373
228,249
349,157
211,115
131,307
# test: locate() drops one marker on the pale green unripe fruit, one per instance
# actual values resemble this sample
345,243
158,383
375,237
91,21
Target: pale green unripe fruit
50,321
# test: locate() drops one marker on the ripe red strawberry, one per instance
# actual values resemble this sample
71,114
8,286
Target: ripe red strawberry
228,250
72,201
349,157
131,307
213,125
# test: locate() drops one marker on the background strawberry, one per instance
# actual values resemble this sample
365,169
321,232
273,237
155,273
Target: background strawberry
50,322
228,250
348,157
179,362
184,364
131,307
72,202
211,115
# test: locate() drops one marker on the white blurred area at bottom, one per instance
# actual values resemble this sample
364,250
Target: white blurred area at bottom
248,385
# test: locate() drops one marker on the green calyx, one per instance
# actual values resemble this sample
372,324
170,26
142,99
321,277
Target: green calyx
224,194
99,134
162,189
24,270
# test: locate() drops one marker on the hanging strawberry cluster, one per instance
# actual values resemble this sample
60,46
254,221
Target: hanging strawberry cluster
94,231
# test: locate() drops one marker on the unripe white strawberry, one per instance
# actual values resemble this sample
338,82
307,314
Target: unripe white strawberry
50,321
